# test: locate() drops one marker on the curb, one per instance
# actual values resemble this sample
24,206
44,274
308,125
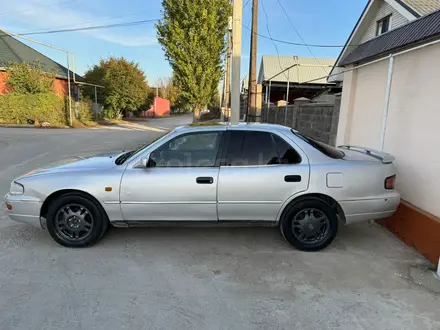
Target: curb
31,126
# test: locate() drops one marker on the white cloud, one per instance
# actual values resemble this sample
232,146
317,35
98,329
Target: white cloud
48,18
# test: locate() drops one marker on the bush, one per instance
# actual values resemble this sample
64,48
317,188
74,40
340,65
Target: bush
43,107
24,78
83,109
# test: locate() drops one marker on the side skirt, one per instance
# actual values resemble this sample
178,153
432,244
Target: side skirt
224,224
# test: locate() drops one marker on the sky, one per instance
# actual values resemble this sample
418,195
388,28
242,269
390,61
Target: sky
327,22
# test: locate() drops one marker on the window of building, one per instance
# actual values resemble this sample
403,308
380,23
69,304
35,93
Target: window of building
383,25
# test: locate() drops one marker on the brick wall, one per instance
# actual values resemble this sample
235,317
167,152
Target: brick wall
59,86
319,121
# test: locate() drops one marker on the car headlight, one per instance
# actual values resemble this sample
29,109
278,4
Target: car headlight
16,189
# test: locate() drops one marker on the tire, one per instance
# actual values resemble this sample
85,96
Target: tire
309,224
75,220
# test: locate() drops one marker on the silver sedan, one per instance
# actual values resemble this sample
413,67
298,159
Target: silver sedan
220,175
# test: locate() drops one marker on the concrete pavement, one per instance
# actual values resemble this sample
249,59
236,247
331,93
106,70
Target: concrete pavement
194,278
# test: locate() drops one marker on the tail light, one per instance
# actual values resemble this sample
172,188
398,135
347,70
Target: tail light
389,182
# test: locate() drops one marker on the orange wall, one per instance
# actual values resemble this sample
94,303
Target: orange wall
161,107
3,87
59,86
416,228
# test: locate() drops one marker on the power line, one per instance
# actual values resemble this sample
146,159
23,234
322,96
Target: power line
247,2
41,6
297,32
94,21
296,43
125,24
270,37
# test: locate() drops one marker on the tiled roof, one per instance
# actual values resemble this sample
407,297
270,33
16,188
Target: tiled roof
422,29
303,70
423,7
12,50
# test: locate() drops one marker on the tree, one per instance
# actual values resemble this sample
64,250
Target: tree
126,87
26,79
169,90
192,34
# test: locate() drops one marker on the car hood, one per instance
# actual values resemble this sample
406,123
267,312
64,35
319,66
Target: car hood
78,163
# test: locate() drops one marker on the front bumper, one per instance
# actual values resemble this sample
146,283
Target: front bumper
23,209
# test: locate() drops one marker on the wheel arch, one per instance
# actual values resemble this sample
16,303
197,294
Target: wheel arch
322,197
55,195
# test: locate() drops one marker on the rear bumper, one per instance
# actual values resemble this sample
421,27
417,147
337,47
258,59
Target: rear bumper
23,209
370,209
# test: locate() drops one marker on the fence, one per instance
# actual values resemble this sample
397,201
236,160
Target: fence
317,120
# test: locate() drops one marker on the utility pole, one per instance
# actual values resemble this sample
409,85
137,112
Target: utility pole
236,60
252,88
228,70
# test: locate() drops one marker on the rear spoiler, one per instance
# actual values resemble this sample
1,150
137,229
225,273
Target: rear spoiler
382,156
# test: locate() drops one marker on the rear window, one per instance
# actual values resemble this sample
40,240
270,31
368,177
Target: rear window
327,150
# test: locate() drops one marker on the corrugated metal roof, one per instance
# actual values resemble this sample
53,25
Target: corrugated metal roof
424,28
12,50
303,69
423,7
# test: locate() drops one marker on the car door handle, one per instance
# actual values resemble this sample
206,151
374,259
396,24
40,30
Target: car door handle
205,180
292,178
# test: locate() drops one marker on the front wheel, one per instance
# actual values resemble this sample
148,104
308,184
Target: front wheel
309,225
74,220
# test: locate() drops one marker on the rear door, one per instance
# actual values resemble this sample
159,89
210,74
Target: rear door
260,171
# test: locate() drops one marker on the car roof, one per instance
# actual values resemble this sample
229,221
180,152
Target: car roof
220,126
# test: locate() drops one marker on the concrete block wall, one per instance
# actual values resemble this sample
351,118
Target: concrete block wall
317,120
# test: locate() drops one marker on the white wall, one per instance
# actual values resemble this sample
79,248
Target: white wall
384,10
366,123
413,130
413,126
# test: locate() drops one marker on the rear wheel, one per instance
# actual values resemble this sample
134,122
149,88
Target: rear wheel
309,225
74,220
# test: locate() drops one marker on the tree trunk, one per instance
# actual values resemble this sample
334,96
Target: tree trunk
196,113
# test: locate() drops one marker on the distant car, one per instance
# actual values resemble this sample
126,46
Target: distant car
227,175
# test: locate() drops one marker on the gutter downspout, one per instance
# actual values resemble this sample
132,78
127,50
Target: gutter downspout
387,101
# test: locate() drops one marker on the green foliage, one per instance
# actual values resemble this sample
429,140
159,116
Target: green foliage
83,109
26,79
43,107
192,34
125,85
169,90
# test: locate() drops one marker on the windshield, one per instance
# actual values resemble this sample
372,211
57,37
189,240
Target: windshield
326,149
125,156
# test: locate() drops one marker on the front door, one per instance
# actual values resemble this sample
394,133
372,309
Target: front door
260,172
179,183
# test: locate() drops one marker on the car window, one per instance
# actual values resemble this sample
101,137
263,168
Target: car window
246,148
189,150
287,154
326,149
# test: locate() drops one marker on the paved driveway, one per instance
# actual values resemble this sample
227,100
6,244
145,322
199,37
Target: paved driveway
195,278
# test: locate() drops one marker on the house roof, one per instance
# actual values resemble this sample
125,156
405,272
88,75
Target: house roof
411,9
302,69
422,7
12,50
424,28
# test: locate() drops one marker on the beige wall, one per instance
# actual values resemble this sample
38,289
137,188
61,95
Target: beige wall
413,126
